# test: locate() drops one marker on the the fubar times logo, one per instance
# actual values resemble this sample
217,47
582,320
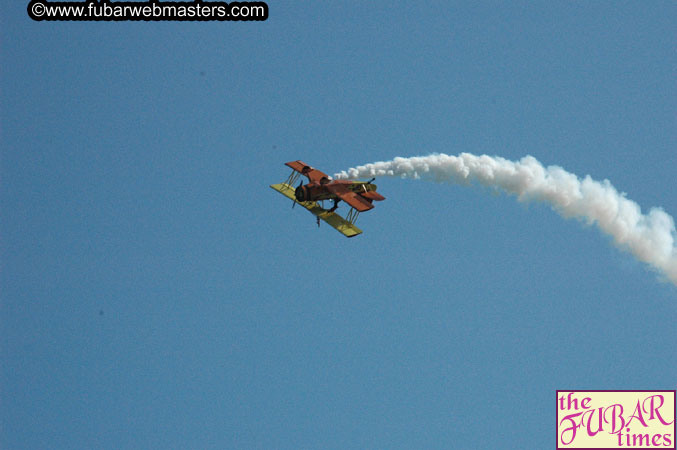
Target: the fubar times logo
616,420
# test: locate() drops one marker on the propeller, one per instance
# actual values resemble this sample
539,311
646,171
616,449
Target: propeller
297,194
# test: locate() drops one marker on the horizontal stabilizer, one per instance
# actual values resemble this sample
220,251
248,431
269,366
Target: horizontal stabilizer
351,198
372,195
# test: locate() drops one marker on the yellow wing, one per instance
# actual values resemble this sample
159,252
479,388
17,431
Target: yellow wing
342,225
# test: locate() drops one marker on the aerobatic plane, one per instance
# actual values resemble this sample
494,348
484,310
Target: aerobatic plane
359,195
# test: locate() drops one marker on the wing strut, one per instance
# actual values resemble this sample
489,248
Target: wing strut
352,216
292,178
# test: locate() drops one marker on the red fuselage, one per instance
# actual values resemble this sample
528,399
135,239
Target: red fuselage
315,191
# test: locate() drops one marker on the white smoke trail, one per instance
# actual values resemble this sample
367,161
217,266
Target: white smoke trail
650,237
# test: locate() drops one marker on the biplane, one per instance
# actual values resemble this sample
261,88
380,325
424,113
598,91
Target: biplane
359,195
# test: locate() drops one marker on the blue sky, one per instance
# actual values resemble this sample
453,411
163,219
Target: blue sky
156,293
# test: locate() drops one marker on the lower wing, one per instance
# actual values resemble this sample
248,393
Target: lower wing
339,223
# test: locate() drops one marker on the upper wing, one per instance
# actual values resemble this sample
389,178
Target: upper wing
305,169
356,201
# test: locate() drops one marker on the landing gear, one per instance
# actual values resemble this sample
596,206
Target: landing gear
333,208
